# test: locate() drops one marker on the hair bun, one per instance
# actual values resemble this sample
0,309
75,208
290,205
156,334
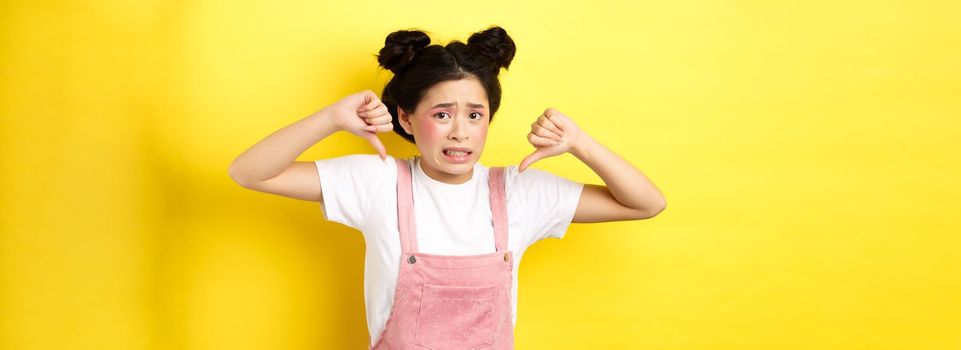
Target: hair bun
400,48
495,44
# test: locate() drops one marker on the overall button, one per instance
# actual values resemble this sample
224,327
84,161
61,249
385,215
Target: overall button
506,255
412,259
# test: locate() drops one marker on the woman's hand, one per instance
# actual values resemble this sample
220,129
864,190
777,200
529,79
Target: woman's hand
364,115
551,134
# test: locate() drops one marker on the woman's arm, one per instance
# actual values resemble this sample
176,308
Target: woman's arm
628,194
277,151
270,166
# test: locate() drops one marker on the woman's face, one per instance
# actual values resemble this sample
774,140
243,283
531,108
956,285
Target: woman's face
450,128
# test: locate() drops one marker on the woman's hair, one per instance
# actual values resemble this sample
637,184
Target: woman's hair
417,67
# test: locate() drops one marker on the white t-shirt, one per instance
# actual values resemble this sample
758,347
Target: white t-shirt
360,191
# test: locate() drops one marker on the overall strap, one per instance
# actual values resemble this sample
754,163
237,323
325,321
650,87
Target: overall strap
405,207
498,200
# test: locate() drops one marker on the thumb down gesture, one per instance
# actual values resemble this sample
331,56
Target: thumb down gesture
551,134
363,114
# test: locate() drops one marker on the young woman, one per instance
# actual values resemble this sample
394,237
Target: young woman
444,234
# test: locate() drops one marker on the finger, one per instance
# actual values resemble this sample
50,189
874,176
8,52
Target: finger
556,120
377,111
374,141
374,114
383,119
530,159
380,128
370,96
371,108
545,133
370,101
538,141
546,122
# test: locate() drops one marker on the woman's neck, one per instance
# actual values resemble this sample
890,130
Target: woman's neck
440,176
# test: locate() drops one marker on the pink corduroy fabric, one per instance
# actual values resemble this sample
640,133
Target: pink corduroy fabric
450,301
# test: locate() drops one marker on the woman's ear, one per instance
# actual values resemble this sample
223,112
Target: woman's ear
404,120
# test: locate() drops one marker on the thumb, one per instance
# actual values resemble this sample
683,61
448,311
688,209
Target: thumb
530,159
374,141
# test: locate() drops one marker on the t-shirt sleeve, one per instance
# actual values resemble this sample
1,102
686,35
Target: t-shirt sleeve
350,184
549,200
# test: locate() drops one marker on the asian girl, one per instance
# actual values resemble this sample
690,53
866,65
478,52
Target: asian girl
444,233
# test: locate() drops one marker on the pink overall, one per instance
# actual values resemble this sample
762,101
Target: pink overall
450,301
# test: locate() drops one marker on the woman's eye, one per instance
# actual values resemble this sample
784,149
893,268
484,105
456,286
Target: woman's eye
473,116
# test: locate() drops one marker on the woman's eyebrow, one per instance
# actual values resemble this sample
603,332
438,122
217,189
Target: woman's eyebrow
451,104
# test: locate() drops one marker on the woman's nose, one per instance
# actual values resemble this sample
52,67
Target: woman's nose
458,131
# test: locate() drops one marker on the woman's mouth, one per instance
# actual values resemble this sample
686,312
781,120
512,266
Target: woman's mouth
457,154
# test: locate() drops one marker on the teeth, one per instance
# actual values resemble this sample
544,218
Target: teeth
455,153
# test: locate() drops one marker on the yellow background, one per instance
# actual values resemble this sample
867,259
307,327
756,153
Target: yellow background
808,152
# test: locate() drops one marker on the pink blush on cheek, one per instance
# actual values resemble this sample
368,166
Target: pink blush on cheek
432,133
482,134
